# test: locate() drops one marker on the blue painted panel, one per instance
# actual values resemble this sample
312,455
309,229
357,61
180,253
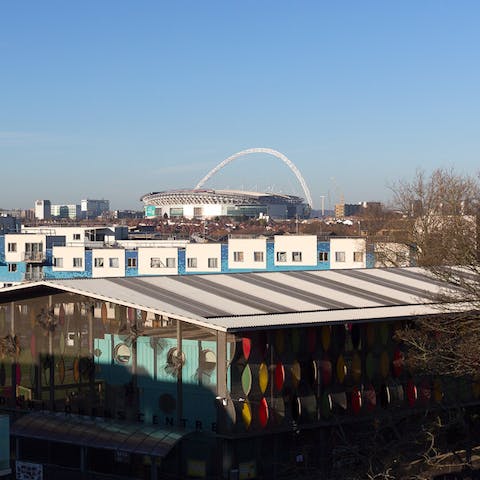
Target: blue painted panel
131,271
181,262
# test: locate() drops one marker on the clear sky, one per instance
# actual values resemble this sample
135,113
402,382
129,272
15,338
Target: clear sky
113,99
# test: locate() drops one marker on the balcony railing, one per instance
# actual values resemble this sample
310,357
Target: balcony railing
37,257
33,276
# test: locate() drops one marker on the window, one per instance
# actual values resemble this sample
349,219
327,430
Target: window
258,256
212,262
323,256
156,262
113,262
171,262
339,256
99,262
238,256
358,256
132,262
78,262
12,267
12,247
296,256
76,236
58,262
281,256
192,262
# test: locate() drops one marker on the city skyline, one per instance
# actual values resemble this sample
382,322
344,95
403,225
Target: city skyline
115,101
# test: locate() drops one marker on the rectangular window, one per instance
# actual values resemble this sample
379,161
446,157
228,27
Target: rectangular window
78,262
339,256
58,262
281,256
238,256
192,262
12,247
258,256
99,262
358,256
76,236
296,256
171,262
323,256
212,262
156,262
132,262
12,267
113,262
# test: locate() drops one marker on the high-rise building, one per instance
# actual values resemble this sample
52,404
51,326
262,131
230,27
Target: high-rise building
43,209
66,211
91,209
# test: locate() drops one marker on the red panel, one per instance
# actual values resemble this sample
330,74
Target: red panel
279,376
356,401
263,413
411,393
246,347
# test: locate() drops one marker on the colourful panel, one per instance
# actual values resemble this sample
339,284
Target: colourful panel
398,362
263,413
370,398
246,380
326,406
341,369
356,400
61,370
326,370
246,347
280,341
326,337
246,414
279,376
356,367
412,394
370,334
296,371
263,377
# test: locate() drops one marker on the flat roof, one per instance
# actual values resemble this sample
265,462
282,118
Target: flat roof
232,302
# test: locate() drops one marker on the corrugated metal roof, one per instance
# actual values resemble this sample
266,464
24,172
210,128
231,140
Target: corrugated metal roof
231,302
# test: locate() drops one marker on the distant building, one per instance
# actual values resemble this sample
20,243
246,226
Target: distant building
9,224
91,209
66,211
347,210
43,209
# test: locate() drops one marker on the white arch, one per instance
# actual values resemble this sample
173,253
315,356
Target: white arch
270,151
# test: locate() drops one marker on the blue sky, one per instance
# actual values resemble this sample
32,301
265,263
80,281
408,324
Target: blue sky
114,99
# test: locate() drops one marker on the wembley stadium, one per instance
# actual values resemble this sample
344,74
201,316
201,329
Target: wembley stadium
209,203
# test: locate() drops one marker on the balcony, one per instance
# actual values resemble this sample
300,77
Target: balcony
33,276
34,257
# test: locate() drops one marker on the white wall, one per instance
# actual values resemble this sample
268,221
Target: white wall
202,252
67,254
287,245
115,255
145,256
20,240
247,248
347,248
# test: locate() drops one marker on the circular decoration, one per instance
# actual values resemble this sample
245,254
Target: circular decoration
296,371
61,370
208,362
356,367
167,403
231,351
398,362
263,413
356,400
384,364
326,370
370,366
370,398
246,380
280,341
104,314
370,334
76,369
61,315
311,339
341,369
279,376
263,377
246,414
295,337
326,337
437,391
356,336
384,333
122,353
246,347
411,393
326,406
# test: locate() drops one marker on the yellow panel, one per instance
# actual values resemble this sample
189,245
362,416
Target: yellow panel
263,377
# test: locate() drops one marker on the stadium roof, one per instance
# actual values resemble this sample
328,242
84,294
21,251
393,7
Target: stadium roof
233,302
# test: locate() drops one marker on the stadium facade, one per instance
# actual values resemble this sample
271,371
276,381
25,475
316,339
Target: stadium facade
201,203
